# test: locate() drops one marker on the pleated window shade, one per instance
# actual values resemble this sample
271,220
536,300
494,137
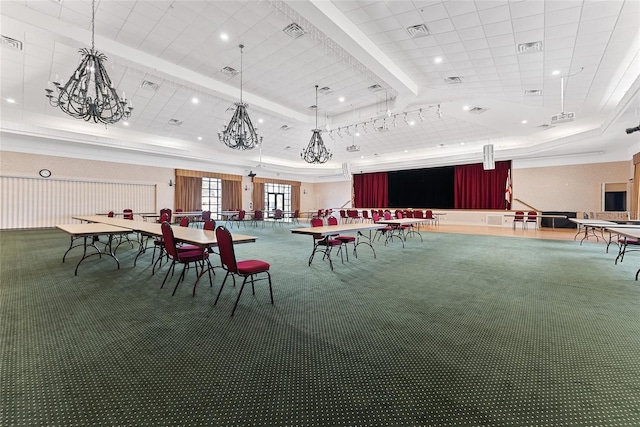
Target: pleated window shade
38,203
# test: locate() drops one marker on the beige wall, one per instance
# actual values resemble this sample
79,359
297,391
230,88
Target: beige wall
567,188
28,165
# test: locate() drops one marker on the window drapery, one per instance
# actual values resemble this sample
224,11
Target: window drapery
188,194
476,188
231,195
258,196
370,190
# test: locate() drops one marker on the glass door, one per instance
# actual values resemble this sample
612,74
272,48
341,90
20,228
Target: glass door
274,201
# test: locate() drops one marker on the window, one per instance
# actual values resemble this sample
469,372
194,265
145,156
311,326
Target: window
277,196
212,196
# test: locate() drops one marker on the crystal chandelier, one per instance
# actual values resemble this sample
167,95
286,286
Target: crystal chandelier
316,152
240,134
89,93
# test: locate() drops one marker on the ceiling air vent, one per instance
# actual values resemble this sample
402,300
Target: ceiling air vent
228,71
545,126
285,127
11,43
375,88
530,47
453,80
535,92
294,30
313,107
146,84
175,122
477,110
353,148
325,90
418,31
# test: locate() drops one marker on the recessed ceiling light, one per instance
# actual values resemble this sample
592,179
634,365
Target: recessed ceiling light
406,151
224,36
260,121
437,59
462,143
199,138
357,133
194,100
362,157
555,72
11,100
412,122
465,108
125,123
524,122
341,99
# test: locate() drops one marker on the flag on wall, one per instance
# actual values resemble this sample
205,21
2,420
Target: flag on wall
508,190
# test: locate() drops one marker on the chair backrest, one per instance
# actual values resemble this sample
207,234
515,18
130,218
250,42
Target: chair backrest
241,215
418,214
209,224
316,222
399,215
110,214
333,220
278,214
408,214
375,217
320,212
166,211
258,215
532,215
128,214
428,214
387,215
164,217
519,216
206,215
380,212
365,214
179,210
169,241
184,221
296,213
225,248
343,213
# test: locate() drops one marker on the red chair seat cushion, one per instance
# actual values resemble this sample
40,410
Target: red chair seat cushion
330,242
252,266
191,256
347,239
188,248
630,241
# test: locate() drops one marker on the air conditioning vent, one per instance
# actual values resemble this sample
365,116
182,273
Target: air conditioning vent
11,43
285,127
530,47
146,84
228,71
313,107
353,148
453,80
418,31
325,90
294,30
175,122
477,110
534,92
545,126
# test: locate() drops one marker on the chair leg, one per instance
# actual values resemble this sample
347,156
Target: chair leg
167,275
239,295
181,278
221,286
270,288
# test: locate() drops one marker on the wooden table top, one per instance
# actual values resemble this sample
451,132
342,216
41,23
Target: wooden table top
328,230
92,229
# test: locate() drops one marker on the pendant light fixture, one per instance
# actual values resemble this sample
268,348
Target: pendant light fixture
240,134
89,93
316,152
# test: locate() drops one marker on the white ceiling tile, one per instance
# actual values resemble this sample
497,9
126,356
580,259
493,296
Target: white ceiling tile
377,10
597,25
505,60
447,38
567,30
559,43
453,48
441,26
483,63
425,42
457,56
389,23
398,35
466,21
479,54
455,8
501,41
380,39
476,44
558,5
526,8
528,23
529,36
496,14
433,13
358,16
498,28
400,6
563,16
370,28
471,33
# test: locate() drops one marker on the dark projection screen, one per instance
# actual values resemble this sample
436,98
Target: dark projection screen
422,188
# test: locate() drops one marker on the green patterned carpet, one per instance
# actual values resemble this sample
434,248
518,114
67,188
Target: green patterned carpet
458,330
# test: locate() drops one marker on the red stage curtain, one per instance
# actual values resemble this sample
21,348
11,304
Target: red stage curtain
370,190
476,188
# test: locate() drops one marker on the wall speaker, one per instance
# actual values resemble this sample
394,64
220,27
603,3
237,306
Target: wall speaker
488,163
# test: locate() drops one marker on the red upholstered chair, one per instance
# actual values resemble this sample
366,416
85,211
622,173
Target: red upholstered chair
206,216
295,218
326,242
110,214
198,257
258,216
532,216
278,217
345,240
519,217
343,216
239,219
246,269
184,221
385,231
179,210
128,214
165,211
365,216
